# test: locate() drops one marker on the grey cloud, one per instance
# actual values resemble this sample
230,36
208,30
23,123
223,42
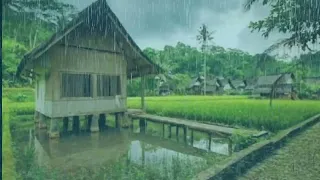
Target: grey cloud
155,23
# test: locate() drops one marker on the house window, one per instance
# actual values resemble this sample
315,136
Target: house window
76,85
103,85
115,85
108,85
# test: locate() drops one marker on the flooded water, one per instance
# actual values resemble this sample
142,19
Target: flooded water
111,146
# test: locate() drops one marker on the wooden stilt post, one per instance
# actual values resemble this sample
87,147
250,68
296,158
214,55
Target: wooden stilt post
65,124
142,125
76,124
142,87
169,128
191,137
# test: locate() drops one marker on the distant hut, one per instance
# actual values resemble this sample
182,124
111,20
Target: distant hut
82,70
164,86
250,85
283,83
195,85
224,84
212,86
238,85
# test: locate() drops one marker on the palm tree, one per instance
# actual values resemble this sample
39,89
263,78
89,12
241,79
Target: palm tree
204,37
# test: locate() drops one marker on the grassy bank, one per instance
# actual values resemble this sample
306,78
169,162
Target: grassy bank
299,159
8,161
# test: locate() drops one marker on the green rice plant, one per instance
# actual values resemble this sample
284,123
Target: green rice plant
18,94
25,108
8,161
237,112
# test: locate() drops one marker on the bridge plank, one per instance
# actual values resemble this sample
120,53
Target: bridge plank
186,123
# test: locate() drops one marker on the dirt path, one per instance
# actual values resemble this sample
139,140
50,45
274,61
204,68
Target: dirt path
298,160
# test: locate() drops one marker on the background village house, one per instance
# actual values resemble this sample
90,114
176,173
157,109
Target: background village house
164,85
83,70
238,85
283,83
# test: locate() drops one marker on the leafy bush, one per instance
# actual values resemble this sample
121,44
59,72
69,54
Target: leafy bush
21,98
308,91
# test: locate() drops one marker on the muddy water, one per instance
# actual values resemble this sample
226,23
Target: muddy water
110,146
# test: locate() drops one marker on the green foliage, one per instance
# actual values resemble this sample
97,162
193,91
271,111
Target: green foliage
25,25
299,18
309,91
12,53
19,94
240,112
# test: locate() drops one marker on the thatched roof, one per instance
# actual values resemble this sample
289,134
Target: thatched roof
97,15
267,80
223,82
237,83
271,79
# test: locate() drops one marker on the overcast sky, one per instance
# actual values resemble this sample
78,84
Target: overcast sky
156,23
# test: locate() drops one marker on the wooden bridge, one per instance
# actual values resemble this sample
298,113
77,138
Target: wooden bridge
136,114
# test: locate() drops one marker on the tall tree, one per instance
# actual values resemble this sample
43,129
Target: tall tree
49,10
298,18
204,37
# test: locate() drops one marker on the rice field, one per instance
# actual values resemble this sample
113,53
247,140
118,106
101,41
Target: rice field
236,111
232,110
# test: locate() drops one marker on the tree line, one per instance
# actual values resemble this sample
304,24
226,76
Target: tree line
27,23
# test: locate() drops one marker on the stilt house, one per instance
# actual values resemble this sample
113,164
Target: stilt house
83,68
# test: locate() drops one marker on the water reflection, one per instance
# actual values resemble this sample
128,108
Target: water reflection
90,149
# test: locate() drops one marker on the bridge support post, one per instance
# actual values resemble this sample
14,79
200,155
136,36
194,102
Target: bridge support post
210,140
42,121
65,124
119,117
191,137
76,124
54,128
36,116
170,132
142,125
177,132
230,146
185,134
94,126
163,130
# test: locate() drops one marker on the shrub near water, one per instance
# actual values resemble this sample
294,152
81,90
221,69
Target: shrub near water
18,94
8,164
244,112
